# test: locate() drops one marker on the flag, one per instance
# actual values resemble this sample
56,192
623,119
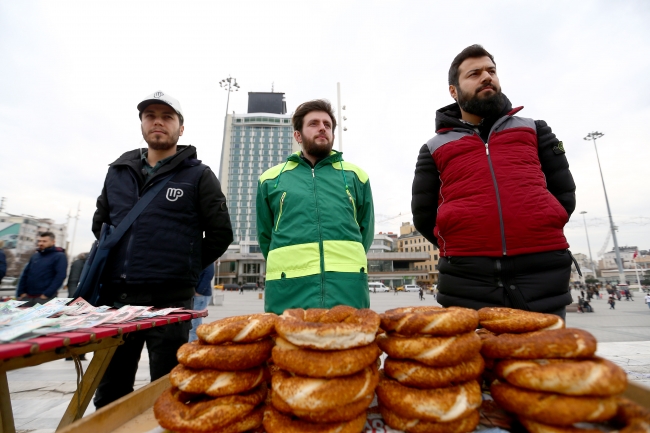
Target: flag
636,253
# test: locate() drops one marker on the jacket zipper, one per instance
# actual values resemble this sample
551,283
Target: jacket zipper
354,207
494,181
277,223
320,241
496,188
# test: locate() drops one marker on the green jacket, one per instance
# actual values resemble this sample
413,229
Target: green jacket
314,228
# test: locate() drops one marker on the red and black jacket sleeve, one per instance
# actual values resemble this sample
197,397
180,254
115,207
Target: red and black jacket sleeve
425,192
555,166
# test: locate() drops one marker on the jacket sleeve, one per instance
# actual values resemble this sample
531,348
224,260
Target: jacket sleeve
264,220
424,195
555,167
366,216
60,268
214,219
22,281
102,214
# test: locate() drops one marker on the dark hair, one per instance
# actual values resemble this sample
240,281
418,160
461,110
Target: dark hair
47,234
309,106
473,51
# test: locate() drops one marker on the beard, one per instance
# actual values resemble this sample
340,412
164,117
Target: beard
488,106
317,150
162,142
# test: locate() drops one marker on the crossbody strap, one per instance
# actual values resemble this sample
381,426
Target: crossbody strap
134,213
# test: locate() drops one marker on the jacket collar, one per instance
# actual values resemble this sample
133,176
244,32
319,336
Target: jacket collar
51,250
334,156
185,155
450,116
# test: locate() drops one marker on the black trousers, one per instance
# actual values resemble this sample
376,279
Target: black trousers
533,282
162,343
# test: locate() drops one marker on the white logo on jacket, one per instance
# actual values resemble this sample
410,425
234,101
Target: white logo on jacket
173,194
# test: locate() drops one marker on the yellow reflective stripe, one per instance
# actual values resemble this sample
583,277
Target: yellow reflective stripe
284,194
344,256
274,172
294,260
363,177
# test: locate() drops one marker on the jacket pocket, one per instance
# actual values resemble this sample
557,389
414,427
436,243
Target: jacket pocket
354,206
277,222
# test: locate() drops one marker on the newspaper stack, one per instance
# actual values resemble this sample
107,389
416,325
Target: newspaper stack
64,315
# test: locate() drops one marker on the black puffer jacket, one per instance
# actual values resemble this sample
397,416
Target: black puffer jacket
166,245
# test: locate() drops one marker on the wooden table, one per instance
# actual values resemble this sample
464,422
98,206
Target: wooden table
102,340
133,413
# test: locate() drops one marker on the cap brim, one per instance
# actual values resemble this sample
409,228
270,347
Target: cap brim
147,102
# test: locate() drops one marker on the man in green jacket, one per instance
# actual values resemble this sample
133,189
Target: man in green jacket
315,221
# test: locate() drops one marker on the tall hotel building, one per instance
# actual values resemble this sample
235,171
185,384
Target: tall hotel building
253,143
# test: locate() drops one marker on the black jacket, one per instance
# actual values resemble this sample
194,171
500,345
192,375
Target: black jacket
177,235
427,184
75,274
3,265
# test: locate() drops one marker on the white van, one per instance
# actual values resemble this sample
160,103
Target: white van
377,287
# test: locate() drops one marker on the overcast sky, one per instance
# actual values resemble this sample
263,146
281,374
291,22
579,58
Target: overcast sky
72,73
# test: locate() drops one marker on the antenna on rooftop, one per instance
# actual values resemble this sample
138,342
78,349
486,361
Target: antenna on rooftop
272,87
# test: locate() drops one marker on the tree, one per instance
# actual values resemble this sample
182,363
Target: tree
591,280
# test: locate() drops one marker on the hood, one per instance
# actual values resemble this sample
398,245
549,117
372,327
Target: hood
450,116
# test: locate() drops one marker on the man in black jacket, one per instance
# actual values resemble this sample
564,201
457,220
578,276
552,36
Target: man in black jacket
159,259
493,191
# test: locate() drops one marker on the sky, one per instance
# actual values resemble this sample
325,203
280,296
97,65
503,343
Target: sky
73,72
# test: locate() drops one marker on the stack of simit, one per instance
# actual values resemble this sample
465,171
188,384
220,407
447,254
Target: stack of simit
220,384
547,374
326,370
430,376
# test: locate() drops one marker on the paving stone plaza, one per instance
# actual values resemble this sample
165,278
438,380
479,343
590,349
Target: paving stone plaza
40,395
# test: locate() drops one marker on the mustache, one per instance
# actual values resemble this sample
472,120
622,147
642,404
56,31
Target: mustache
486,86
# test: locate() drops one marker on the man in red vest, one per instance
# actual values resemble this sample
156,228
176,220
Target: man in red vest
493,191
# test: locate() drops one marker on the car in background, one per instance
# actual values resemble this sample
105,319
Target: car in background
376,286
411,288
250,286
230,287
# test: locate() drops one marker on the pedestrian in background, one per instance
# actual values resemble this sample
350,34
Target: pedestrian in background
75,273
3,265
45,272
202,297
647,299
611,302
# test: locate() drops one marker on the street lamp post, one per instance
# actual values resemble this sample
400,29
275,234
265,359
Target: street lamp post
229,85
591,260
592,136
338,97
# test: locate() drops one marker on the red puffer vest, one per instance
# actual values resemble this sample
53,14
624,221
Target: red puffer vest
493,199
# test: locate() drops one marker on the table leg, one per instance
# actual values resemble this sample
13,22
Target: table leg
92,377
6,415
